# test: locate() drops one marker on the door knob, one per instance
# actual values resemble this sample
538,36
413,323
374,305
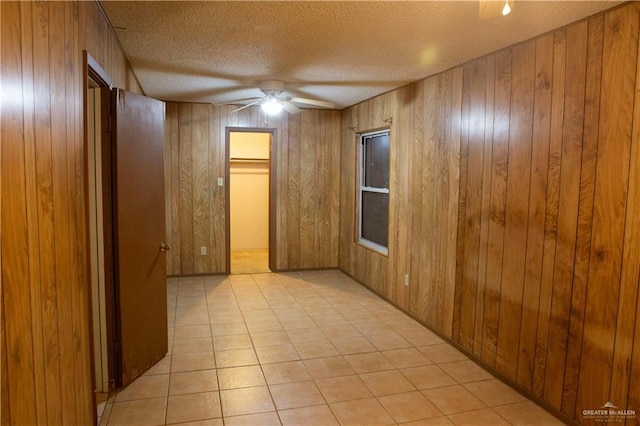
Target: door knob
164,247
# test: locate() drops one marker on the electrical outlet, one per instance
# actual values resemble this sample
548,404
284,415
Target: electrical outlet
406,280
203,251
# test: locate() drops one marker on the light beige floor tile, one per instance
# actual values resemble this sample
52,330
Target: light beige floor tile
422,338
193,345
435,421
306,335
227,329
191,362
262,325
292,311
276,319
330,320
453,399
368,362
236,358
479,417
208,422
285,372
388,341
386,382
493,392
427,377
317,349
279,353
145,387
296,394
405,358
335,366
240,377
340,331
442,353
353,345
193,382
369,329
236,402
411,406
191,331
270,338
361,412
161,367
191,407
297,322
345,388
142,412
235,341
259,315
526,413
224,317
319,415
465,371
260,419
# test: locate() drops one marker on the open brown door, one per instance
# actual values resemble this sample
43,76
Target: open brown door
141,290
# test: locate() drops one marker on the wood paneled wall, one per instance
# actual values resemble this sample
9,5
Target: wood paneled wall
46,364
307,194
515,210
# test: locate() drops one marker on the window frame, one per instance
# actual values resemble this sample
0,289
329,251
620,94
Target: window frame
384,250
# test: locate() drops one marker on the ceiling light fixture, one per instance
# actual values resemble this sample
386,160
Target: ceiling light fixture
271,106
506,9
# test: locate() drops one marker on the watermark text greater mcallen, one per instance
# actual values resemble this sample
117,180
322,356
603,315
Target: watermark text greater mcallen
608,413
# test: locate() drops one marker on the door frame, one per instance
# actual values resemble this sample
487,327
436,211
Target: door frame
92,70
273,149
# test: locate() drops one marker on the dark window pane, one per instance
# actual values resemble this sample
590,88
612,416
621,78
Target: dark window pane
376,161
375,212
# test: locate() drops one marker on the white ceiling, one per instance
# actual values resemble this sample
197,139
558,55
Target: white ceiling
338,51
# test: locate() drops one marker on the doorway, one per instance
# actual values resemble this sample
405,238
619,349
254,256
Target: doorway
250,200
100,226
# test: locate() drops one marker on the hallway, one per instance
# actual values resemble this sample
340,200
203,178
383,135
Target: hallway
308,348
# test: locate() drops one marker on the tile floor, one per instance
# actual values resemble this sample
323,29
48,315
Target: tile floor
308,348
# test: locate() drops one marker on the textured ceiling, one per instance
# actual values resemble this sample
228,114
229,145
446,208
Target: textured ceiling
337,51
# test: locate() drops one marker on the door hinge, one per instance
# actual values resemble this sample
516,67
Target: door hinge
109,128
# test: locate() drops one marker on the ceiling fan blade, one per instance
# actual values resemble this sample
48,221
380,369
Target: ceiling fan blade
491,8
246,106
313,102
290,108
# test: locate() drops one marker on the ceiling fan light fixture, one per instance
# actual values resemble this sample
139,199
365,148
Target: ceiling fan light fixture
271,106
506,9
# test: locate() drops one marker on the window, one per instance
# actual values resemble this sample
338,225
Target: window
373,192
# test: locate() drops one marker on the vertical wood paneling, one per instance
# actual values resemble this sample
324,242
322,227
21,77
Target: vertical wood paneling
572,131
293,193
185,178
499,160
40,377
604,303
46,325
15,262
537,208
585,214
540,237
626,365
517,206
473,163
551,217
201,186
307,194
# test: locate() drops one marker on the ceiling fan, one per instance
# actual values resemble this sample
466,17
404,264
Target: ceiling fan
273,102
492,8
